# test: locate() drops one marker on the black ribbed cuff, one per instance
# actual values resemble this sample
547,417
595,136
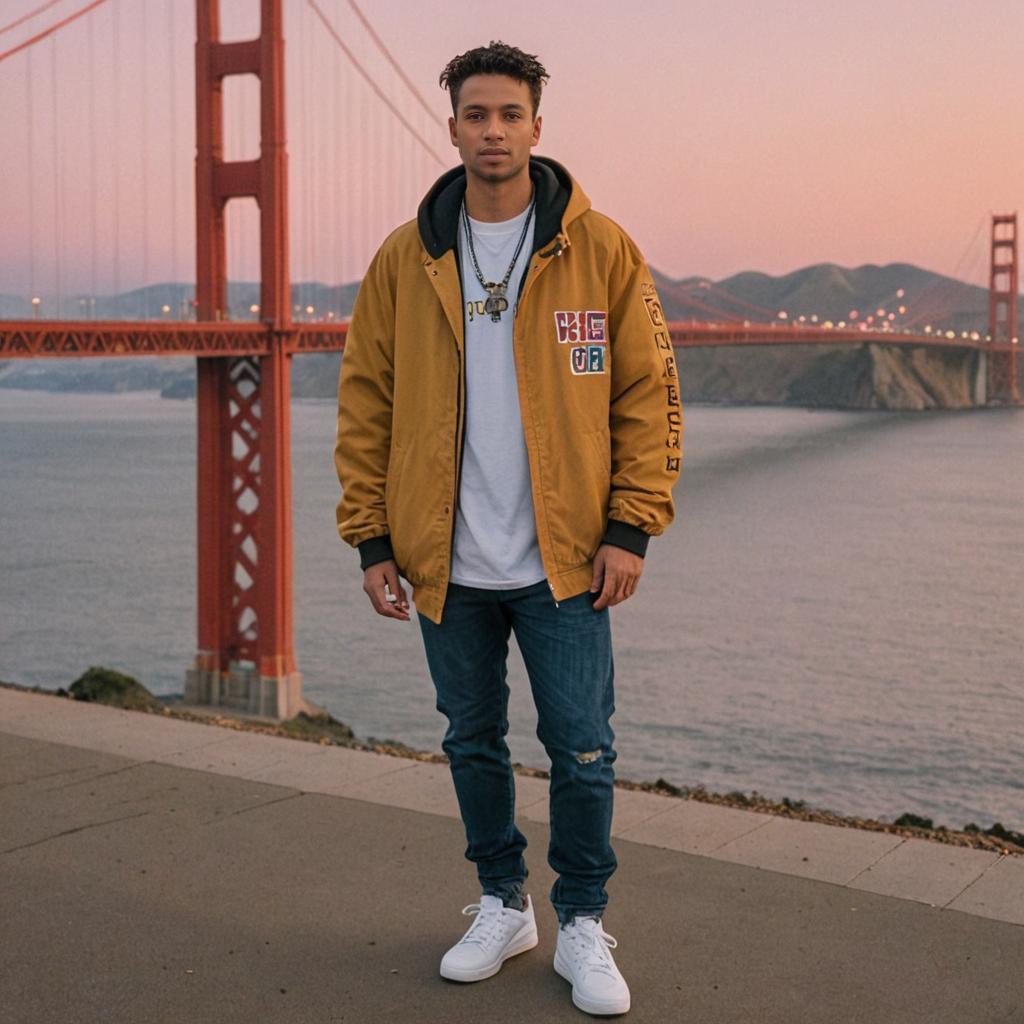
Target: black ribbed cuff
374,550
626,536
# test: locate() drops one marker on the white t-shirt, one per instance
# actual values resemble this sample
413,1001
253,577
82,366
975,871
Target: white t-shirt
495,532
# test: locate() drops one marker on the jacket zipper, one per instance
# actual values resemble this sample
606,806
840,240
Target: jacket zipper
460,433
556,250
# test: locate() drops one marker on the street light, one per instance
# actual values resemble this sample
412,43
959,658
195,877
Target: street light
36,304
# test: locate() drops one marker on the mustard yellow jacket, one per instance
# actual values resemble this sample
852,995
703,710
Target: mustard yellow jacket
598,392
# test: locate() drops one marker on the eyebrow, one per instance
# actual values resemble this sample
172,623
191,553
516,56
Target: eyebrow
504,106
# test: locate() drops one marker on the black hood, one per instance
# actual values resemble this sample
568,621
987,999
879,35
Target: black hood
438,215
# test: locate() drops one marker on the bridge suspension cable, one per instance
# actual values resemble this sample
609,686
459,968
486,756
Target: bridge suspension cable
381,95
394,63
27,17
49,31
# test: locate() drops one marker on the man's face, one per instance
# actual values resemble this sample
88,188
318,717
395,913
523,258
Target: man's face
494,128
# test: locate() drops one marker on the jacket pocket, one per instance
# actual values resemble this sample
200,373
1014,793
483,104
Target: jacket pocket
577,498
391,482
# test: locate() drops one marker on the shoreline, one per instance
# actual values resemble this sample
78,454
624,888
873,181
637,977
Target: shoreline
324,729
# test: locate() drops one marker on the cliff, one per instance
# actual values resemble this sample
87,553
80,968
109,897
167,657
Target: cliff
830,376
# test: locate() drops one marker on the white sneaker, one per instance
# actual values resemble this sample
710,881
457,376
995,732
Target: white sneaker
497,933
583,957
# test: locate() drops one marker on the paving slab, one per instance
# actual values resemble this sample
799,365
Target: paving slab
921,870
421,787
242,753
265,904
870,861
110,730
328,769
998,893
828,853
692,826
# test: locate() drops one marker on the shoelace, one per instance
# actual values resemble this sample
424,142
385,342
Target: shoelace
482,930
590,948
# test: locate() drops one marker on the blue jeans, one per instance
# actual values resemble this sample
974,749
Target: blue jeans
568,654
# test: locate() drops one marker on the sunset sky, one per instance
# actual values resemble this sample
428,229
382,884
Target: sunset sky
725,136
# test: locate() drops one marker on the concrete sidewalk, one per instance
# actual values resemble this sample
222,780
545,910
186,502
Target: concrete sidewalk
159,870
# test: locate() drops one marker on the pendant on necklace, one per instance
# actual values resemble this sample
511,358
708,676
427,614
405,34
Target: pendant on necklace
496,304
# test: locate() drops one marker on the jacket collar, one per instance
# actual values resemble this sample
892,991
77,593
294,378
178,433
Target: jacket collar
559,199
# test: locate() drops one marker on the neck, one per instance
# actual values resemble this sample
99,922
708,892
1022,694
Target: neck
498,200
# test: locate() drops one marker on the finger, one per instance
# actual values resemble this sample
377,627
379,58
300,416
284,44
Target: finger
381,605
619,594
606,597
598,580
394,581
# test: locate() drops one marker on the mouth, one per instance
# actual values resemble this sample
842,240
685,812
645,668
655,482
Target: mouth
494,152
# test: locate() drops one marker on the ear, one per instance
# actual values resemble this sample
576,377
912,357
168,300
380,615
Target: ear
536,131
452,131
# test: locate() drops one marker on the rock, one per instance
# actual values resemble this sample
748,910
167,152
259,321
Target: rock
106,686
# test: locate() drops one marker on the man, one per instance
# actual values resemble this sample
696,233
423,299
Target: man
508,436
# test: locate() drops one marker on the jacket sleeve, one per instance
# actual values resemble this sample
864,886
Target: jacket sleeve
365,395
645,414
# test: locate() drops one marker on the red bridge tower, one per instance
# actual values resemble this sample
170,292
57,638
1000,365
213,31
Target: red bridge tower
1003,383
246,658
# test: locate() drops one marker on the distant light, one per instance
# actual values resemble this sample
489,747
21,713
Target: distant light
783,314
927,328
975,336
963,334
827,324
309,310
842,323
36,301
853,314
891,316
903,310
879,312
950,334
165,308
814,318
803,319
899,295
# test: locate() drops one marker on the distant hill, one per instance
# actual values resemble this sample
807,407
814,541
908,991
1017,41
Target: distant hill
825,291
831,292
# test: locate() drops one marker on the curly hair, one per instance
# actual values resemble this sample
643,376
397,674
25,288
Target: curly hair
497,58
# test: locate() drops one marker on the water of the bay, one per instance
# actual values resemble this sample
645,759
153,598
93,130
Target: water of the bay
836,615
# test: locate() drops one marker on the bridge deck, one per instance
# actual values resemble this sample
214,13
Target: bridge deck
35,339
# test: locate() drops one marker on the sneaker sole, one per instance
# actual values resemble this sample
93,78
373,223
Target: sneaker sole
526,941
587,1006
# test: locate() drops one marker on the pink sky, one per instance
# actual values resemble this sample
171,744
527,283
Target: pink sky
724,136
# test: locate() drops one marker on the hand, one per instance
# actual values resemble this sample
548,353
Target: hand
616,574
374,580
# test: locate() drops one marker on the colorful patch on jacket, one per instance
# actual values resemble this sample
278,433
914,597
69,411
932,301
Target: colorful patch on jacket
654,310
581,327
587,359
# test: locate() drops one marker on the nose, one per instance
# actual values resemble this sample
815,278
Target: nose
495,128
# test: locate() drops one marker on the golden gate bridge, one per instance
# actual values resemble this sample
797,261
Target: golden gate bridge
245,653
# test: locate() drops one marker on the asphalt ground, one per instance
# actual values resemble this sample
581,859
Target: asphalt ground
135,891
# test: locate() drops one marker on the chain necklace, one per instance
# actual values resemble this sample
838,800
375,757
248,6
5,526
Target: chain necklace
496,302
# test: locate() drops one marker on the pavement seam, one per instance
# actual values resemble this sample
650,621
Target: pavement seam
38,778
93,778
254,807
72,831
850,881
973,881
711,853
